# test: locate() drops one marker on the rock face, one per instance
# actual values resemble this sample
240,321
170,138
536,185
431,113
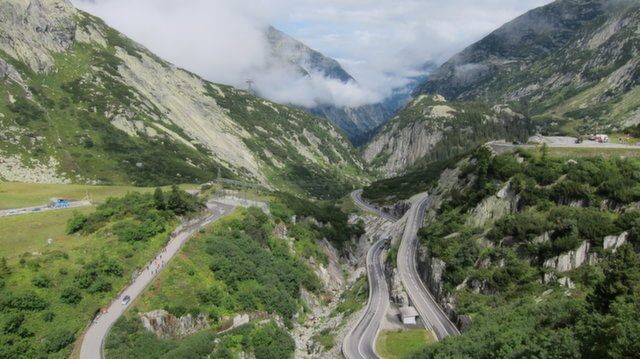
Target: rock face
570,260
494,207
32,31
430,129
615,242
166,325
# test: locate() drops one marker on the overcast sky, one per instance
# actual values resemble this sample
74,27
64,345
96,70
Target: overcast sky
380,42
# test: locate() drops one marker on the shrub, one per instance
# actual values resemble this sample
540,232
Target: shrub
76,223
71,295
27,302
58,341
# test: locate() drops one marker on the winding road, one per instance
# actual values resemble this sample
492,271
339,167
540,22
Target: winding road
430,312
360,342
93,342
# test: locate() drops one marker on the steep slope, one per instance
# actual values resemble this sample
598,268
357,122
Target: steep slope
573,62
535,255
80,102
287,52
431,129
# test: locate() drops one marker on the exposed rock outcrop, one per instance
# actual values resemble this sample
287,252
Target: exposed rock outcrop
615,242
166,325
570,260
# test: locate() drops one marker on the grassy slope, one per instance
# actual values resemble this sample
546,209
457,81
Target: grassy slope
19,195
67,256
401,344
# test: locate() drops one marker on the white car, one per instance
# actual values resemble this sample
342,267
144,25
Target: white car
126,300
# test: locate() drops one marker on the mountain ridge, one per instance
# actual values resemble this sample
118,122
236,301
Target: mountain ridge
83,103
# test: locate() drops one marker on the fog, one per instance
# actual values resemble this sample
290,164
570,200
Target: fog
380,43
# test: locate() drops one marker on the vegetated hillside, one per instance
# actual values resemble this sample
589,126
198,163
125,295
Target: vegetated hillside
574,64
82,103
253,263
432,129
536,256
356,122
48,297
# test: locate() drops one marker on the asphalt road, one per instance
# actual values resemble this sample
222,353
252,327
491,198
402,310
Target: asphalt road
361,341
42,208
356,196
430,312
94,338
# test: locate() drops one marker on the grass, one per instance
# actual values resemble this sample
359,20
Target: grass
594,152
401,344
19,195
29,233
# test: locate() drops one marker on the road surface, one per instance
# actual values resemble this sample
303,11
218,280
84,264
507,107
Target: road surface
560,142
430,312
360,342
94,338
42,208
356,196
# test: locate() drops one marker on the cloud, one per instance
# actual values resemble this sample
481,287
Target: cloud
381,43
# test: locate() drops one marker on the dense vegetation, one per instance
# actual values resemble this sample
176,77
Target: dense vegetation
392,190
240,265
46,299
267,341
497,271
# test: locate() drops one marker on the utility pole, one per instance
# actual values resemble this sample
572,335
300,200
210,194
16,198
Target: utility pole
250,84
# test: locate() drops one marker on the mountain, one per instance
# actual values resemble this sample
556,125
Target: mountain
79,102
573,62
430,128
571,67
356,122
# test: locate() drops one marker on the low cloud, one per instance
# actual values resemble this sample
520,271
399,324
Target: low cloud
381,43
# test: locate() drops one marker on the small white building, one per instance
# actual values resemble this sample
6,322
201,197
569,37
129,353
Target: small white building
408,315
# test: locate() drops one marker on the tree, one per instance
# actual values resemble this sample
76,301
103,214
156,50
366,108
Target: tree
175,202
158,199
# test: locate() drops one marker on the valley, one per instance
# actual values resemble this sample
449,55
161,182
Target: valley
147,212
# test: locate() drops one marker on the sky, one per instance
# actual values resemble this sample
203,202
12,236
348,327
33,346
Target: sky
381,43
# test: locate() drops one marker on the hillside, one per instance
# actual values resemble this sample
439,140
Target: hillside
82,103
572,64
535,255
431,129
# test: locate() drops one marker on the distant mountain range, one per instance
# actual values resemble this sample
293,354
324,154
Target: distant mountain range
358,122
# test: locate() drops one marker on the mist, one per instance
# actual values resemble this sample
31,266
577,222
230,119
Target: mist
383,44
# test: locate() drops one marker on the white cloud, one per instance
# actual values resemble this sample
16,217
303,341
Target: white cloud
380,42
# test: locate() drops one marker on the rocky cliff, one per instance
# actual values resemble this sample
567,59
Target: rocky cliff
431,128
102,108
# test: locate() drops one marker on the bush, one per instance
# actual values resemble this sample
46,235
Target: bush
76,223
27,302
58,341
270,342
71,296
41,281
